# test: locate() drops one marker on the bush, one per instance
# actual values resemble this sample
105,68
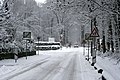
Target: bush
11,55
23,54
6,56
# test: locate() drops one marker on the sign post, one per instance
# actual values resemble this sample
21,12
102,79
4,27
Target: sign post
26,36
88,50
88,39
93,35
38,43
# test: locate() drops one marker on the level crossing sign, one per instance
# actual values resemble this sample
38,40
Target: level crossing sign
94,32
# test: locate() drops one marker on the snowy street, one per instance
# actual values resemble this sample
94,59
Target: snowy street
59,39
63,64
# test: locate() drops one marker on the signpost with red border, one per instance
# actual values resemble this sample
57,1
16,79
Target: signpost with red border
93,35
94,32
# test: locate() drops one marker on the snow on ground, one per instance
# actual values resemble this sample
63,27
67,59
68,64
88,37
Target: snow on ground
63,64
111,70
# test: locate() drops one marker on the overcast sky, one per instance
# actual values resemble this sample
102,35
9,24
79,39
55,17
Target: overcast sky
41,1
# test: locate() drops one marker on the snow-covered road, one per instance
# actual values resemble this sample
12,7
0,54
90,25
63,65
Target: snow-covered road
54,65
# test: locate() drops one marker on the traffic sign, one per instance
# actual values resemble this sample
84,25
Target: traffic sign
94,32
84,41
26,35
87,36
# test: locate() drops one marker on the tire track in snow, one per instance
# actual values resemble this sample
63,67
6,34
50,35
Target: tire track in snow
24,69
78,69
70,70
65,70
54,70
40,72
72,67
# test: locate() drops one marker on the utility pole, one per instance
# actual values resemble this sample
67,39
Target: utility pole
91,41
91,7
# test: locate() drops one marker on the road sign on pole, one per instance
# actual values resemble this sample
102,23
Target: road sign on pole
27,35
93,35
94,32
87,36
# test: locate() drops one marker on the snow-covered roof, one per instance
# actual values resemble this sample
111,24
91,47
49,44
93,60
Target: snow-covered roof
45,42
